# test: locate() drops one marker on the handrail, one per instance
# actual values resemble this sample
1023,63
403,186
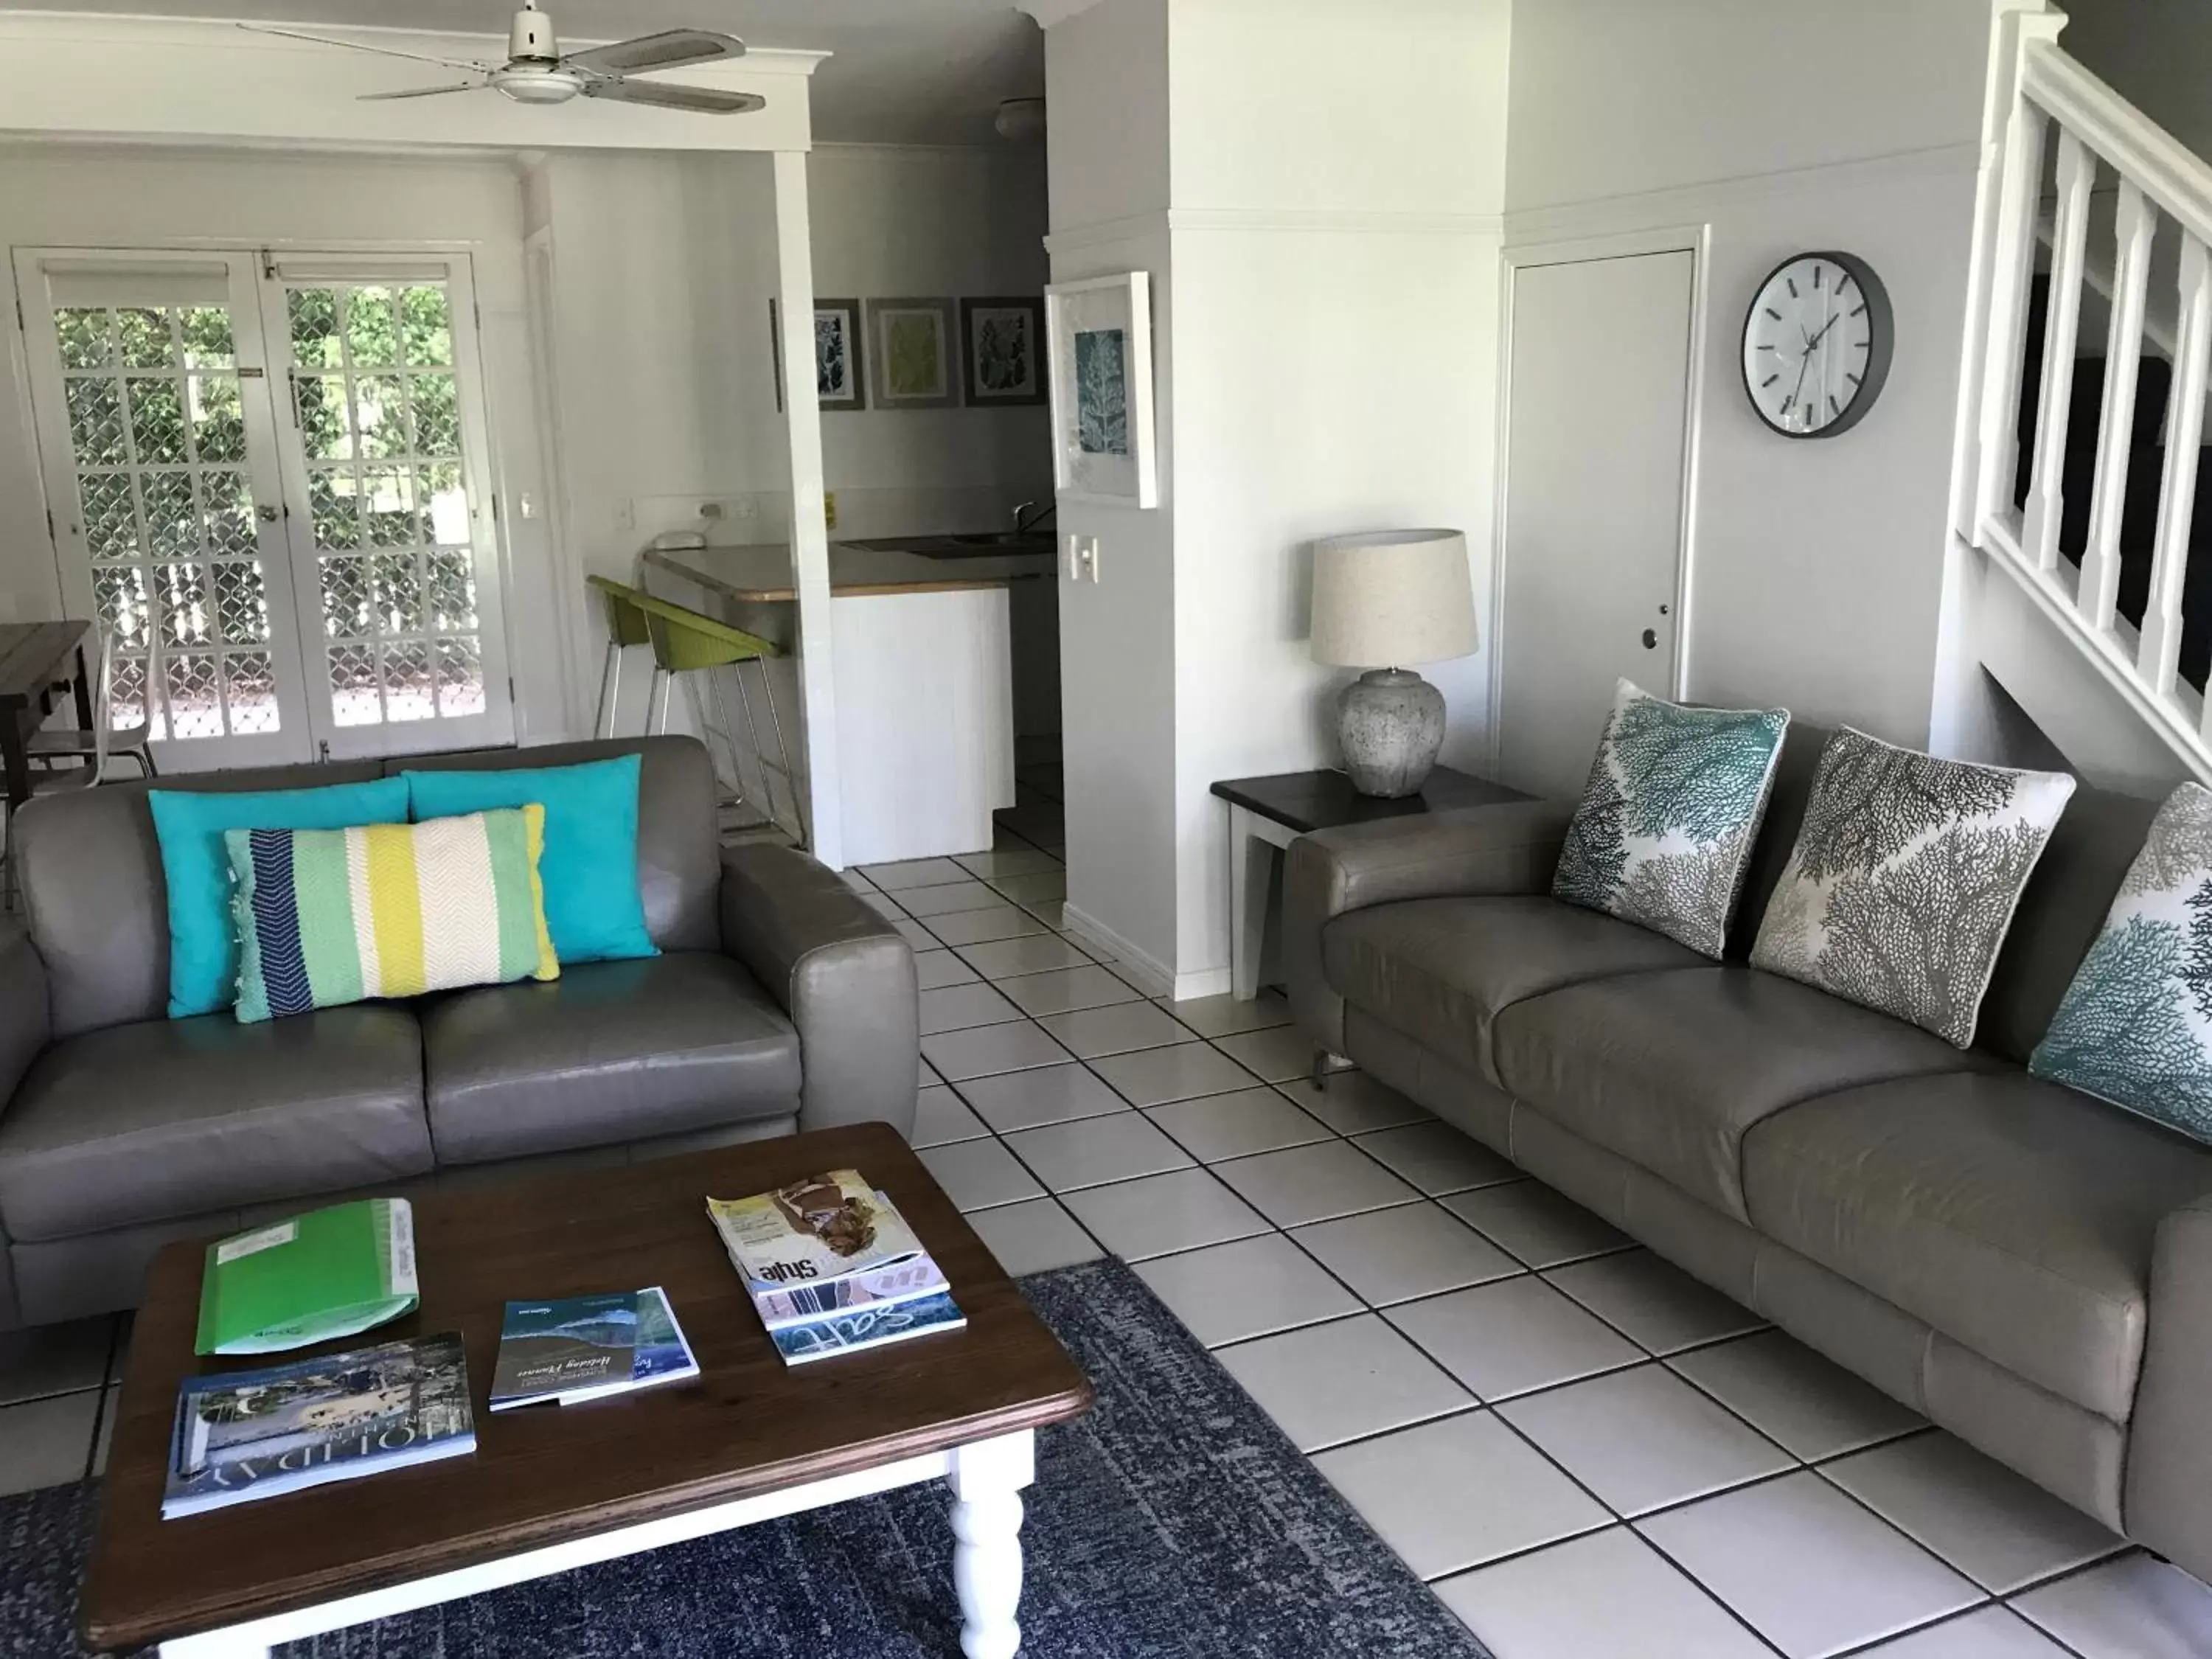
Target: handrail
2172,175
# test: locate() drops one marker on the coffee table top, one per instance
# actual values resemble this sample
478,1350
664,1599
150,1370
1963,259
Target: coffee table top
748,1425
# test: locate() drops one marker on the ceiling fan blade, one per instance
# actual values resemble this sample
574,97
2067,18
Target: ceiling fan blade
705,101
666,50
422,92
362,45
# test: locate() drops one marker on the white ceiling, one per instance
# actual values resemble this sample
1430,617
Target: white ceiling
903,72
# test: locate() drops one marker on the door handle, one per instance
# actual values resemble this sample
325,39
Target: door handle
1650,640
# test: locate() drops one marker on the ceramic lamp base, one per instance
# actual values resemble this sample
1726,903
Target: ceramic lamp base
1390,724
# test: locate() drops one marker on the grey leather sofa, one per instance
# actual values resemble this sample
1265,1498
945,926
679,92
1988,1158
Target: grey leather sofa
2025,1267
780,1002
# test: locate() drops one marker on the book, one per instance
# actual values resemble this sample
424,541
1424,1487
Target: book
909,1280
813,1231
586,1347
324,1274
866,1328
248,1435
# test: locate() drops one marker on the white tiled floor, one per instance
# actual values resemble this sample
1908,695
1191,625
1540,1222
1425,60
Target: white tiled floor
1589,1454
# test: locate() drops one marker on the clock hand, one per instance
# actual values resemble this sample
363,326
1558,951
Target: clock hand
1823,334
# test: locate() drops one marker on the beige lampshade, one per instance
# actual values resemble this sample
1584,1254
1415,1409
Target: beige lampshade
1386,597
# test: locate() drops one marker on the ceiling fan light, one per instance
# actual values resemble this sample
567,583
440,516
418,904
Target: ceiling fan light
536,86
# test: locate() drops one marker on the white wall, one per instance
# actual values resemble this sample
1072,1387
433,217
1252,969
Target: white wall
92,196
1816,567
2157,54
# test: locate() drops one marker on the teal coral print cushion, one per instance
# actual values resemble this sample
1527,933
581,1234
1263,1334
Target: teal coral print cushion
1664,834
2136,1026
1903,881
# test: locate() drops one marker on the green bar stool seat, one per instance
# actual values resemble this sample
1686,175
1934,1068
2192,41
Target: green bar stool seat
625,627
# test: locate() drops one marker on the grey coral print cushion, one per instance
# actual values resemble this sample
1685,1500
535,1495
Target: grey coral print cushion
1904,878
1663,837
2136,1026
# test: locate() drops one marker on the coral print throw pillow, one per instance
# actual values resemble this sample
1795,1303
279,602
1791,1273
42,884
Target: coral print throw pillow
1664,834
2136,1026
1905,878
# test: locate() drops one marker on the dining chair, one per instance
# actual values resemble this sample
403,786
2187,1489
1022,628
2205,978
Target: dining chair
103,743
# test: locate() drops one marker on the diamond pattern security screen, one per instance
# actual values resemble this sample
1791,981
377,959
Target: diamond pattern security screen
376,400
157,441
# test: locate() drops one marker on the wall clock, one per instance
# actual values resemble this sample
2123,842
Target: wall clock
1816,344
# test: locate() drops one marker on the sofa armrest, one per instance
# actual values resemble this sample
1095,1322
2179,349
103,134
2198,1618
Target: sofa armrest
1509,848
26,1015
2168,1501
841,971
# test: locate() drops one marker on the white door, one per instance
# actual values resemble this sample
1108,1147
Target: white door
1597,405
269,484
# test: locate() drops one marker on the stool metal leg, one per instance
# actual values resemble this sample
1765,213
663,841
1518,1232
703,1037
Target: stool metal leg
783,751
603,719
656,720
730,736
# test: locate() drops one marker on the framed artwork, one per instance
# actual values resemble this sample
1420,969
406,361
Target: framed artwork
840,380
915,353
1101,387
1002,345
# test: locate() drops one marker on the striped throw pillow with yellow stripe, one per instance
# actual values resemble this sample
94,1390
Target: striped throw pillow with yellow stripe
332,916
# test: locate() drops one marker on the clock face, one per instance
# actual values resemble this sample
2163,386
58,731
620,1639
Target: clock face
1816,345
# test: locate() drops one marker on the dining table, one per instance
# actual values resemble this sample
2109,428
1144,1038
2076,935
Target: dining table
36,659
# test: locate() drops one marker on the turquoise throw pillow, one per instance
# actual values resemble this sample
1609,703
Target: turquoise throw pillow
202,945
592,906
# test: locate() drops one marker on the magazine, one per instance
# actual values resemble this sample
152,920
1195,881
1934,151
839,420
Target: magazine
586,1347
868,1327
813,1231
909,1280
244,1435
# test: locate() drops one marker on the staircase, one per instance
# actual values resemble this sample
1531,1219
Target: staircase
2089,459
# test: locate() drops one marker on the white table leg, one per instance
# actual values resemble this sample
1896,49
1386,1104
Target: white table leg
987,1478
1250,858
215,1644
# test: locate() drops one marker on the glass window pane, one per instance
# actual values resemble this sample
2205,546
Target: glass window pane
333,498
314,317
372,326
251,691
119,594
446,503
206,331
218,418
379,407
437,415
326,428
142,339
95,412
428,326
398,581
126,701
184,609
388,506
195,706
407,692
241,604
111,519
229,501
157,421
453,590
354,700
347,613
87,340
460,677
173,521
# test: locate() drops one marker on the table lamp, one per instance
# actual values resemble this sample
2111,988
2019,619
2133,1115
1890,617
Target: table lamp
1381,599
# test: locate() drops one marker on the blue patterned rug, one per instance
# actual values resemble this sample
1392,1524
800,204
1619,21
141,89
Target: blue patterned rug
1174,1521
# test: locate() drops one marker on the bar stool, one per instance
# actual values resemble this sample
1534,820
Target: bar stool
625,627
685,641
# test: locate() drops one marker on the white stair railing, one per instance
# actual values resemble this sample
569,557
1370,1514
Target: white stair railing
2160,184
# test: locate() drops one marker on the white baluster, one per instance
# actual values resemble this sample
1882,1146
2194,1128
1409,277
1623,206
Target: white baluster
2135,221
2015,271
2169,565
2077,172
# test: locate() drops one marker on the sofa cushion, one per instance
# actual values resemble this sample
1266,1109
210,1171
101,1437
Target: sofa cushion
1440,970
145,1122
2014,1216
1670,1069
609,1051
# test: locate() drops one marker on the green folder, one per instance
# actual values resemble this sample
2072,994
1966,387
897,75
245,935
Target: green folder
329,1272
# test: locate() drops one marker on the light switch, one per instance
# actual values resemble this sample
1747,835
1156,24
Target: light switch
1083,558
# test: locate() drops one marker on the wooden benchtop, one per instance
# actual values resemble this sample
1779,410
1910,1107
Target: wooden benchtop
760,573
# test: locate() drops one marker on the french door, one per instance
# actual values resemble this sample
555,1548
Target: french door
268,483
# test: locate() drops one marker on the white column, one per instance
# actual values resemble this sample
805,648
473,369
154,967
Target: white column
810,534
986,1479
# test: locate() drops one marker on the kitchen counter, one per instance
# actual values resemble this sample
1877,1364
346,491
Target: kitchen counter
760,574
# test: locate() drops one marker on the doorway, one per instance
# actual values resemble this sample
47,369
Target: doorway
268,479
1592,580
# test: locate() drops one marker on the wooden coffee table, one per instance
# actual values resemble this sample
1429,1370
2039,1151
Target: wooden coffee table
555,1488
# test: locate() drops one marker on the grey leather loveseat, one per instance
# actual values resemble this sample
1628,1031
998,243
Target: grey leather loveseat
2026,1266
780,1002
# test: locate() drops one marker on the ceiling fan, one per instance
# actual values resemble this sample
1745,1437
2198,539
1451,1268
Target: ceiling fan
537,71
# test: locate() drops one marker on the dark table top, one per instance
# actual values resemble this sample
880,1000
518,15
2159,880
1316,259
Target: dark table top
31,651
1323,801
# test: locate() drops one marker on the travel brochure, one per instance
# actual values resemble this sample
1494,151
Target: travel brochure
829,1263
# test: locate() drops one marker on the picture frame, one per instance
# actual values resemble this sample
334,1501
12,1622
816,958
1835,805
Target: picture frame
1100,383
1003,351
839,342
913,349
